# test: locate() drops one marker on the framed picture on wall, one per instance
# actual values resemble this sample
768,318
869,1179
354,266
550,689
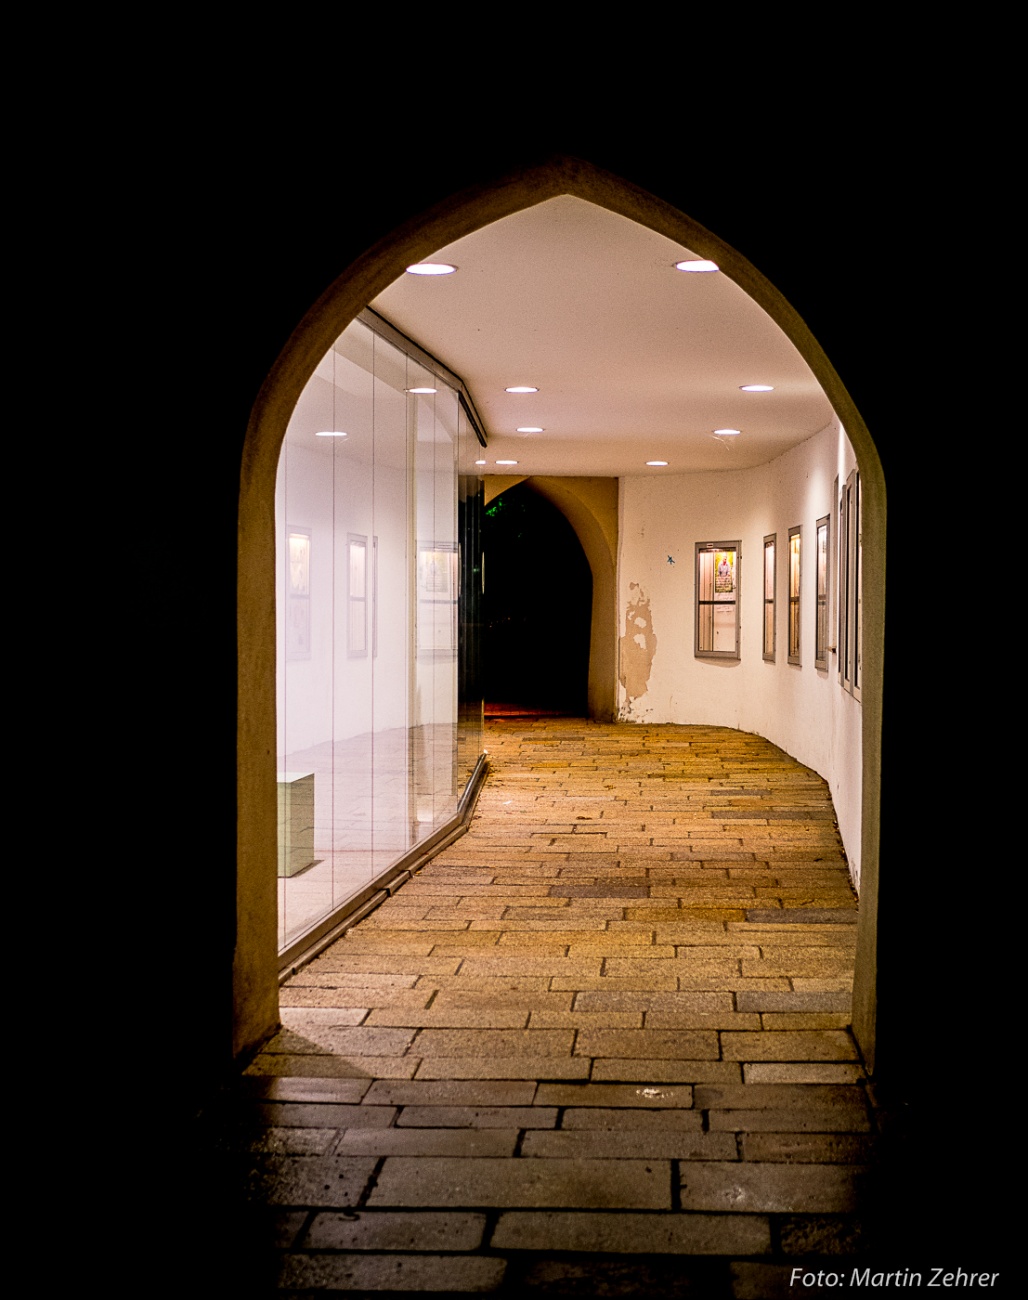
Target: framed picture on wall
437,598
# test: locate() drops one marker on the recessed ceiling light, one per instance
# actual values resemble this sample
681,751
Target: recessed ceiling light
697,264
431,268
727,433
757,388
506,462
422,390
530,428
656,462
330,433
521,388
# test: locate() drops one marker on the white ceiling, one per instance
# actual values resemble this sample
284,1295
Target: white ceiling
634,361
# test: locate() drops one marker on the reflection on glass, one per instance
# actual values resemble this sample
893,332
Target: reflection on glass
371,623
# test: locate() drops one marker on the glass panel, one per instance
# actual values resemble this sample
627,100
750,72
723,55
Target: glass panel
794,595
705,586
369,579
769,597
717,609
435,445
821,629
389,615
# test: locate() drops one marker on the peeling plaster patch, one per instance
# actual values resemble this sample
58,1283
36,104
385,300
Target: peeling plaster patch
637,647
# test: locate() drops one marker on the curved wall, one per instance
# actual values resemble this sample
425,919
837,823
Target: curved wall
801,708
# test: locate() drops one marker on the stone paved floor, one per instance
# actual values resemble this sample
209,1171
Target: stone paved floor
599,1046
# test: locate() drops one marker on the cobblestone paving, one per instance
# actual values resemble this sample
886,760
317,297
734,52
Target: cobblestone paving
599,1046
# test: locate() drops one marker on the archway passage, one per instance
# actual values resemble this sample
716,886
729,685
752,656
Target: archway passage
537,608
254,966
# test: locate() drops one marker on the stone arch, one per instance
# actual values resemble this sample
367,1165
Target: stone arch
254,966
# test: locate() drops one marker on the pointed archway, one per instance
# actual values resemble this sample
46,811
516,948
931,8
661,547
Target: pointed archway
255,967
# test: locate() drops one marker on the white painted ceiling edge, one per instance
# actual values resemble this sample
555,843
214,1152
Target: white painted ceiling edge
634,361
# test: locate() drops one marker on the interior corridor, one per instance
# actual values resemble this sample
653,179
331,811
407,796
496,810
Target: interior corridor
598,1046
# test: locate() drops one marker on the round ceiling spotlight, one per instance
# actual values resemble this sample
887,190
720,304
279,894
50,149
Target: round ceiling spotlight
697,264
756,388
431,268
330,433
521,388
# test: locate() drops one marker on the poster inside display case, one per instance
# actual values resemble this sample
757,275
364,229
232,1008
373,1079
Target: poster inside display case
717,599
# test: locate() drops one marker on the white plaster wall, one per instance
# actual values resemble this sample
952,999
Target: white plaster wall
800,708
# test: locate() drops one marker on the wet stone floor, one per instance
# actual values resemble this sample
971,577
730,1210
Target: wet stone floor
599,1046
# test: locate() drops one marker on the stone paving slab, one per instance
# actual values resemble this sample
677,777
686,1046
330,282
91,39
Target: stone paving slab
590,1184
808,1147
744,1188
282,1141
428,1142
614,1069
327,1066
285,1088
494,1042
451,1092
500,1067
610,1094
654,1044
798,1045
631,1118
651,1234
506,1117
803,1072
452,1017
310,1180
396,1230
397,1273
779,1096
647,1144
295,1114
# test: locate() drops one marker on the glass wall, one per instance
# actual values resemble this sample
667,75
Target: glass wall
379,570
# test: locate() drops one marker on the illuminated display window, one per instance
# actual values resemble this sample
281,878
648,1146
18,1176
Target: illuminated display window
770,548
795,537
717,599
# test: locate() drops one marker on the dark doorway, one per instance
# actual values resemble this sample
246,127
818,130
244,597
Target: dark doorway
537,608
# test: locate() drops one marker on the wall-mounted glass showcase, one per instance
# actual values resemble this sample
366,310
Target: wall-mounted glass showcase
379,580
821,625
849,550
717,599
769,597
794,594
